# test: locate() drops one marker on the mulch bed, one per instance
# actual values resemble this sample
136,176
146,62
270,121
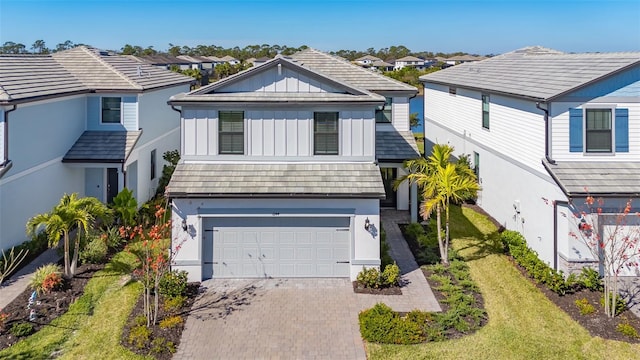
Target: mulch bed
172,335
48,306
359,289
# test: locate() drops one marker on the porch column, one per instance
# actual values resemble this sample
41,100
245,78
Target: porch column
414,202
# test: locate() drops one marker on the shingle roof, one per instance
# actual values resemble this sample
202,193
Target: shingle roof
349,180
396,145
349,73
28,76
534,74
100,71
102,147
606,178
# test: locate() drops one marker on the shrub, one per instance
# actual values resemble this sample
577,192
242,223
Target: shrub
95,252
380,324
385,258
585,307
140,320
21,329
369,278
3,319
171,322
46,278
621,305
113,239
160,345
139,336
626,329
414,230
173,304
391,275
590,279
173,283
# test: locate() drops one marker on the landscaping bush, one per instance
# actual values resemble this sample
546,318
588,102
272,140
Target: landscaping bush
21,329
46,278
585,307
391,275
3,319
414,230
139,336
621,304
382,325
173,304
173,283
95,252
34,247
171,322
113,239
626,329
590,279
160,345
374,279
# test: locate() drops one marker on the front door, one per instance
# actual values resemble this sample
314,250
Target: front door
112,184
388,178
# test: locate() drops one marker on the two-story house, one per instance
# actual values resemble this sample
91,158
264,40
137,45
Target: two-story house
544,130
284,167
410,61
80,121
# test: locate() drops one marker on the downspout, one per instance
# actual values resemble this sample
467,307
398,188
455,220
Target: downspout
555,230
547,124
5,163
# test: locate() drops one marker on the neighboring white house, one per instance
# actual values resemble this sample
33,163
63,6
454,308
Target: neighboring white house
230,60
80,121
367,60
281,165
544,129
411,61
460,59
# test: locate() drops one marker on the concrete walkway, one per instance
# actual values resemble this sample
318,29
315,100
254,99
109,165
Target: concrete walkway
19,282
296,318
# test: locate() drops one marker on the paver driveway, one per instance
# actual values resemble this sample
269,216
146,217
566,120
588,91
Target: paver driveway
274,319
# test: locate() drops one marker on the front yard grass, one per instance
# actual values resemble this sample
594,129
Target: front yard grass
92,327
523,323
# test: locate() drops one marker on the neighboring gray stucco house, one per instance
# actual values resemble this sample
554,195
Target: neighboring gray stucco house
544,129
80,121
281,169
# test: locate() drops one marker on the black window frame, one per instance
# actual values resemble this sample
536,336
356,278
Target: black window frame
486,101
587,131
318,136
111,109
234,134
153,164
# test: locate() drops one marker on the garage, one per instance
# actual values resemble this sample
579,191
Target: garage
256,247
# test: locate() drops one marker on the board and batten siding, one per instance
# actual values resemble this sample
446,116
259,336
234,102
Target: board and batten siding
399,115
128,113
516,127
278,134
285,80
560,133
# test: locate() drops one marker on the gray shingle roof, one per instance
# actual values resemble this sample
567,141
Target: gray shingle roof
396,145
102,147
349,73
28,76
100,71
604,178
348,180
541,75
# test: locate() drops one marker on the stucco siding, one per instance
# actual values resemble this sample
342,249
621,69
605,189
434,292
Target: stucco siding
94,179
560,133
364,246
40,132
285,80
23,196
156,118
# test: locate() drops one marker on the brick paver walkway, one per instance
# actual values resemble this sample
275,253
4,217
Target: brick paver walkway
296,318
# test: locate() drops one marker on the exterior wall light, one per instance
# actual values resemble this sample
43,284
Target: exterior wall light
184,225
367,224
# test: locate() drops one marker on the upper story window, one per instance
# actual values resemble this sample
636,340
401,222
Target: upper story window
599,130
111,109
485,111
453,91
153,164
383,114
598,136
231,132
325,133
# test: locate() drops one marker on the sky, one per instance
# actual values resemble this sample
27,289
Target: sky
472,26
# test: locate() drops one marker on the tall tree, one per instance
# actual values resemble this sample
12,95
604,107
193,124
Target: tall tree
64,46
39,47
69,214
11,47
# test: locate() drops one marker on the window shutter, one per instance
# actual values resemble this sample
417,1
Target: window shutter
575,130
622,130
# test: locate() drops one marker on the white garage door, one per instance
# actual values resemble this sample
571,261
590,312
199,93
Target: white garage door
276,247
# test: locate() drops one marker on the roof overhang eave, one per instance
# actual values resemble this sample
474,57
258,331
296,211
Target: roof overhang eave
505,93
191,195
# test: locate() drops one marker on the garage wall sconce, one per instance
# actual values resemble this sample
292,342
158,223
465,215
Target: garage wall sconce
184,225
367,224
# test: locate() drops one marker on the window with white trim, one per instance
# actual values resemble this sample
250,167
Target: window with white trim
111,110
598,130
231,132
485,111
325,133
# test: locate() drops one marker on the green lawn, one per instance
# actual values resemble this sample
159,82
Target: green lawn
523,323
92,327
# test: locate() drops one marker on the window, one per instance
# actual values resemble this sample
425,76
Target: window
485,111
325,133
452,91
111,110
231,132
598,130
383,114
153,164
476,165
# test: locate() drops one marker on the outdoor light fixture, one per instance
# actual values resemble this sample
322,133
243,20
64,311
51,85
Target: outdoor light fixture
184,224
367,223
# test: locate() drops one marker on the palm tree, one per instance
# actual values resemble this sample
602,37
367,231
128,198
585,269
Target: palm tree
69,214
442,183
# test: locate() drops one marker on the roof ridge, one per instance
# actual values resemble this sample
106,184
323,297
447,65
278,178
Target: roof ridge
358,67
110,67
